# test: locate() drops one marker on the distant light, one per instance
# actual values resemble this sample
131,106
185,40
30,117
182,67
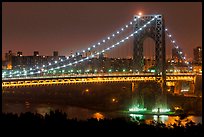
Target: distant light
166,29
140,13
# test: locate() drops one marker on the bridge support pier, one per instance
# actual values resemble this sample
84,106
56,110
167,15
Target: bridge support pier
137,97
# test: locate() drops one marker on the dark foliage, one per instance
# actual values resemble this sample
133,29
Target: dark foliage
57,120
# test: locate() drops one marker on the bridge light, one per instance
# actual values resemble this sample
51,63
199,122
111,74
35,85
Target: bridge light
118,43
166,29
99,43
126,26
148,22
173,41
113,46
108,37
122,40
37,67
127,37
118,32
140,28
170,36
103,51
131,35
131,23
113,35
135,32
122,29
83,50
73,55
108,48
88,48
104,40
135,19
94,46
145,25
55,61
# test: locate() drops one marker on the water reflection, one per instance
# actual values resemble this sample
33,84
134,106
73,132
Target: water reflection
83,113
168,120
98,116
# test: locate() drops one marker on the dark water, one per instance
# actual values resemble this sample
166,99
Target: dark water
83,113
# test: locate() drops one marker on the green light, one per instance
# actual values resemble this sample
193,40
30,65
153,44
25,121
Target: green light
137,109
123,70
63,71
160,110
72,70
153,70
109,70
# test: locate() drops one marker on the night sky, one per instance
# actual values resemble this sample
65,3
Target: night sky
67,27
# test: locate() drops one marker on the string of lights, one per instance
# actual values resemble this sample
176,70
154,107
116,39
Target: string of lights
99,43
177,47
91,56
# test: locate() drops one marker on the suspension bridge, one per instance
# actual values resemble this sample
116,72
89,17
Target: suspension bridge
136,31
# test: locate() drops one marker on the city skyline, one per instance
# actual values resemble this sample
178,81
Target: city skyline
49,27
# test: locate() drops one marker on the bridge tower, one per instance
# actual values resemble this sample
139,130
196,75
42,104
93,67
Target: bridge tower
156,31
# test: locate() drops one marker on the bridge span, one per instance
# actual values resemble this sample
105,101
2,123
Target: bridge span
171,79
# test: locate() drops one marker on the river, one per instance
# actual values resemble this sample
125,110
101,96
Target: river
84,113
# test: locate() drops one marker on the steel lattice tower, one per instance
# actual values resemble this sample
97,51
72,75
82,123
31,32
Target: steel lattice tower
156,31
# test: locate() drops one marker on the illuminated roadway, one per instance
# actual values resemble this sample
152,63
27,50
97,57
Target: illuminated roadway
93,78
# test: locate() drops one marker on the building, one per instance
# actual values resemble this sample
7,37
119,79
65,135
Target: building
8,60
176,56
55,53
197,52
36,53
19,53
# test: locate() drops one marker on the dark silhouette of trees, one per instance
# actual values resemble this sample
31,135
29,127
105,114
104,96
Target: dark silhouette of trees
58,120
